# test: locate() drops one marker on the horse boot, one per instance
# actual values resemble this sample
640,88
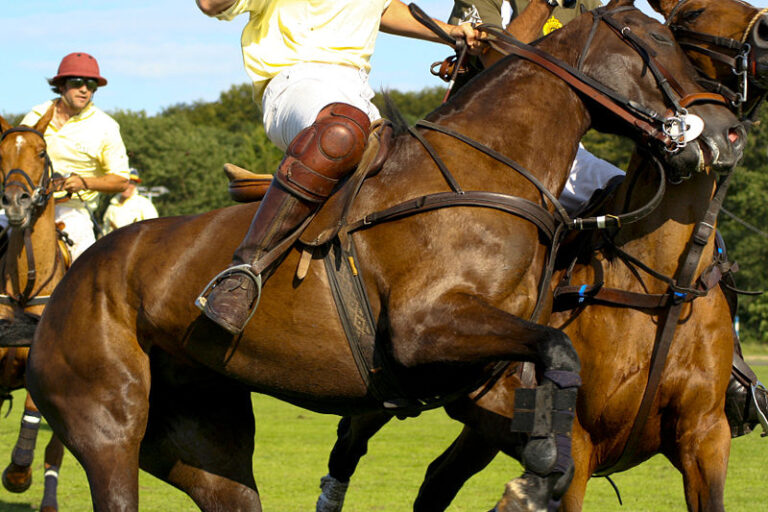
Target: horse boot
317,159
746,399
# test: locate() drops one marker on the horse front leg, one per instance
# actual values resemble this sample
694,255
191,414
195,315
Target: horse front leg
352,436
54,455
17,476
703,461
463,329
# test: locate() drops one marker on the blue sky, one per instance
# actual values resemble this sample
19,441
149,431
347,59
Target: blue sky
156,53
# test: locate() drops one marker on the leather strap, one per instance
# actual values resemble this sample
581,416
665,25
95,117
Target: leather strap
667,327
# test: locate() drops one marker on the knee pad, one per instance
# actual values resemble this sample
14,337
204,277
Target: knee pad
325,152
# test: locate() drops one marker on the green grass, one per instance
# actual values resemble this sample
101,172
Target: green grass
292,446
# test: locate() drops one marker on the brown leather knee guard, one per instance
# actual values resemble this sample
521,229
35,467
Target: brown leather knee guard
325,152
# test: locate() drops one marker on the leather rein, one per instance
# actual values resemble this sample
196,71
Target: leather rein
40,195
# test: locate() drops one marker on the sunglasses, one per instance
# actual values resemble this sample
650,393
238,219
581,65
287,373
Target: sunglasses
77,82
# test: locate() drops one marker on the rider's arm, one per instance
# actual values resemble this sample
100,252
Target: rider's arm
397,19
111,183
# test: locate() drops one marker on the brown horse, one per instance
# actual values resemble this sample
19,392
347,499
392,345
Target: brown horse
32,266
615,377
141,379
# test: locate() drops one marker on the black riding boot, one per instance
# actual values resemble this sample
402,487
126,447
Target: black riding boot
746,399
316,160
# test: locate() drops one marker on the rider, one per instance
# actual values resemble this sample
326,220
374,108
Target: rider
128,206
84,145
310,67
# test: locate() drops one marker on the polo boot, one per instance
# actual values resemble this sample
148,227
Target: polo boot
315,162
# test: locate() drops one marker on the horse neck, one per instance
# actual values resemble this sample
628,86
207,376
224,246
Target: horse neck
518,110
43,241
661,239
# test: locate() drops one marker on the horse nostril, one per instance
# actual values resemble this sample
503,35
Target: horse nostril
760,33
737,136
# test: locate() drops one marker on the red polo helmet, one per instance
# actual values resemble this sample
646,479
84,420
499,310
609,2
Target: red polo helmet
80,64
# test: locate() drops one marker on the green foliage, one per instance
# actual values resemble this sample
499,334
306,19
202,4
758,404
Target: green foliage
746,232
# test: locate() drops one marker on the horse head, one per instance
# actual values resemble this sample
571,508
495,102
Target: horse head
651,77
727,40
26,171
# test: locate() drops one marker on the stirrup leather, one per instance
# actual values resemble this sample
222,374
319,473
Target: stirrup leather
202,300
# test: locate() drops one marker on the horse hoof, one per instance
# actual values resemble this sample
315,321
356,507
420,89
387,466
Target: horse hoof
518,498
17,478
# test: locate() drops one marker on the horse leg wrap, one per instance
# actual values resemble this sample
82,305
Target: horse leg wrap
51,484
332,496
24,451
547,413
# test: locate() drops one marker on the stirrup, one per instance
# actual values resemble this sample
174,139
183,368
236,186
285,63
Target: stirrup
753,389
202,300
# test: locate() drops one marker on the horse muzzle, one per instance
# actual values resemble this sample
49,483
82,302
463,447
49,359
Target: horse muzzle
18,205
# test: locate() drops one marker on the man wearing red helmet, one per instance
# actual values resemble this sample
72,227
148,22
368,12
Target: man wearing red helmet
84,144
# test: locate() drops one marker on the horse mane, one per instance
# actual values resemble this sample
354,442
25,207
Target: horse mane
393,113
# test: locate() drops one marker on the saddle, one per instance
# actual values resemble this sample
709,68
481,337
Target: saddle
246,187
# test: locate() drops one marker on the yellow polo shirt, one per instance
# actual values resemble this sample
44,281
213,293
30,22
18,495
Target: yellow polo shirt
88,144
282,33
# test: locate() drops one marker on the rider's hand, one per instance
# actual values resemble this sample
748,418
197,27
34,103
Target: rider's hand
74,183
471,35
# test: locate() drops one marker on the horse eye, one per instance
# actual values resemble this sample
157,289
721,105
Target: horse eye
661,38
689,16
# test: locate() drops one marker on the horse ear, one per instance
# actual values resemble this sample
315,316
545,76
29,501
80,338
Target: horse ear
4,125
42,123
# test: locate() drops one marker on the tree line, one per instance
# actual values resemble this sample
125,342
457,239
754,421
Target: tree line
184,147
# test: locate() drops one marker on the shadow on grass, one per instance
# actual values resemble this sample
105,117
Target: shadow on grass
15,507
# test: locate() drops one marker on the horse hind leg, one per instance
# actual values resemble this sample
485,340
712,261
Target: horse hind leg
200,436
352,436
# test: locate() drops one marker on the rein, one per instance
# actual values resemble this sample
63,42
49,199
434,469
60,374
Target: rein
669,130
40,195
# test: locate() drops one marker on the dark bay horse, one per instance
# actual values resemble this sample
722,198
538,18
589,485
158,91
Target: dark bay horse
693,417
32,265
141,380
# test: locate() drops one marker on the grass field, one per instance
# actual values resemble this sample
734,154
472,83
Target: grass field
291,452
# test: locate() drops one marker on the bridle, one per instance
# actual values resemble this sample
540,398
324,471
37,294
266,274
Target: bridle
737,54
670,129
40,195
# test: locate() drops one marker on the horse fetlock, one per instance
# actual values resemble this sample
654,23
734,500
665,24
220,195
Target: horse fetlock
540,455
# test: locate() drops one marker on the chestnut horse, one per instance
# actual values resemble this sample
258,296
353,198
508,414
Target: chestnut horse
129,374
32,266
614,378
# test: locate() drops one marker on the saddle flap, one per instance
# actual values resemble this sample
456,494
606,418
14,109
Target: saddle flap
332,215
